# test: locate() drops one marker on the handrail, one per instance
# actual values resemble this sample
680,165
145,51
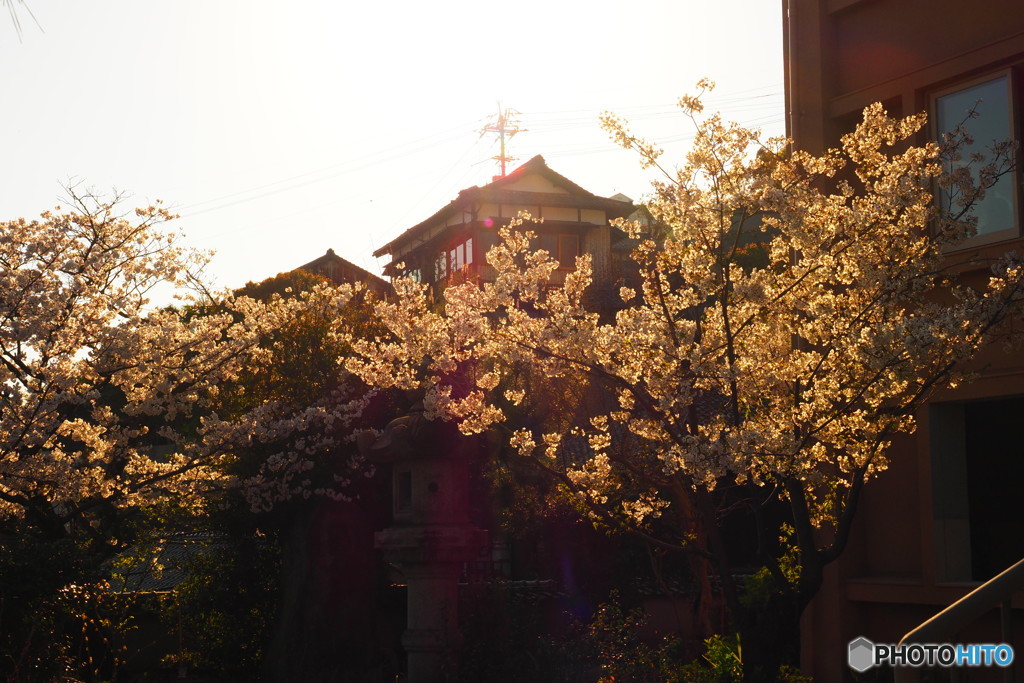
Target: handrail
996,591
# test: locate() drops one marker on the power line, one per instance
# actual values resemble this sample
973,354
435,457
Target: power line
505,125
342,167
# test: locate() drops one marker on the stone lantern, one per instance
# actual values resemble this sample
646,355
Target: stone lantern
432,537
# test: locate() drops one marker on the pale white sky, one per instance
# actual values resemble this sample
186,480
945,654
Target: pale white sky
279,129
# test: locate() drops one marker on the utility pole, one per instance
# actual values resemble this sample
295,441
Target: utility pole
505,126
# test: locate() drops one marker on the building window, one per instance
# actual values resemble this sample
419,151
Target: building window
461,255
977,466
563,248
452,260
991,101
441,267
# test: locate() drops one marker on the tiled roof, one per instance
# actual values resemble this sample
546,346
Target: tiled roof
498,190
162,568
318,265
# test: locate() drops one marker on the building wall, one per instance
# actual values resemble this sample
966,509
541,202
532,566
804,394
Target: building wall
590,226
920,539
843,55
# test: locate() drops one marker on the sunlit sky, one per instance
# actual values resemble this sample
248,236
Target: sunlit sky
280,129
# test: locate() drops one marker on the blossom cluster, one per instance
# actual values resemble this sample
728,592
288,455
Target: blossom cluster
790,314
109,402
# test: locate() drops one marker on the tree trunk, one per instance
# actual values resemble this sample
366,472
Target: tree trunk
325,629
770,637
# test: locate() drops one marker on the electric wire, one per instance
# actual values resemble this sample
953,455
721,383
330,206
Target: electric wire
756,107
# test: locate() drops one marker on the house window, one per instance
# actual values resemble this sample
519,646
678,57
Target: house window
991,101
563,248
454,259
463,253
441,267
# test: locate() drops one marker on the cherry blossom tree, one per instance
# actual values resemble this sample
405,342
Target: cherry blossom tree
296,527
790,315
107,403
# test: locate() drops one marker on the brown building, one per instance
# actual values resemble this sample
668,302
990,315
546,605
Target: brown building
341,271
948,513
450,246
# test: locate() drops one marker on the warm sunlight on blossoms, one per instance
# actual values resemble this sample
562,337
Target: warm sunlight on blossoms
105,403
780,320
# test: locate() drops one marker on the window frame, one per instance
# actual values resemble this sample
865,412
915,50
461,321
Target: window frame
557,238
1014,230
576,252
454,259
441,266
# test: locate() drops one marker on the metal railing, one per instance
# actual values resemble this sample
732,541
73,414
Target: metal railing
997,591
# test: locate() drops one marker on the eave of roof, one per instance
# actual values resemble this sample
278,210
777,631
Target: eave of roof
577,197
332,256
